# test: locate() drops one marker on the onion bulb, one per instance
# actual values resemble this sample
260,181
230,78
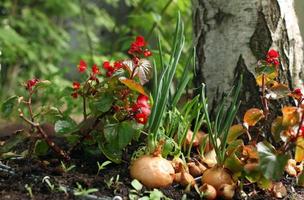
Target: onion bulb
226,191
217,176
208,191
152,171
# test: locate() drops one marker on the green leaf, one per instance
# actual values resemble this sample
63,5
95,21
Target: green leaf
8,106
136,185
103,104
300,179
233,163
64,126
13,141
41,148
117,137
42,84
271,163
125,134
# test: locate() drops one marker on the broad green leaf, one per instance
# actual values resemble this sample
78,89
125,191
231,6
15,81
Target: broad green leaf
41,148
299,155
125,134
234,164
269,71
253,116
290,116
8,106
133,85
64,126
234,132
276,128
271,162
111,153
13,141
102,104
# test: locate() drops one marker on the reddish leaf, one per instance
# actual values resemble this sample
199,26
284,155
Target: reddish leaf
290,116
252,116
234,132
278,91
133,85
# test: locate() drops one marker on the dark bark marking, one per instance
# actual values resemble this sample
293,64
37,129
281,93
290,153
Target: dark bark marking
274,14
200,27
261,39
221,16
250,91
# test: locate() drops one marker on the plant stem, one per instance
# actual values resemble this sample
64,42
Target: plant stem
84,107
264,99
45,136
96,123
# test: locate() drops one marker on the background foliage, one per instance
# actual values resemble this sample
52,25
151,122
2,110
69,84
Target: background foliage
46,39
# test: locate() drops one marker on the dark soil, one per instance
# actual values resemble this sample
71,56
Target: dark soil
32,171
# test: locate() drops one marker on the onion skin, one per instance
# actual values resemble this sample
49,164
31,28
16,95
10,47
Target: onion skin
209,191
184,179
217,176
152,171
226,191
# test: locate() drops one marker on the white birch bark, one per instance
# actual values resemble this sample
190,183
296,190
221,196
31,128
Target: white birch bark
231,35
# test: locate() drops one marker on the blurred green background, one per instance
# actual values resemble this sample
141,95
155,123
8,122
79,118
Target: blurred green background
46,39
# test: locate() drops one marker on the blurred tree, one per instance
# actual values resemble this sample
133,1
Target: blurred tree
231,36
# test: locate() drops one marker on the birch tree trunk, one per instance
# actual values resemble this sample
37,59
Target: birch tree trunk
232,35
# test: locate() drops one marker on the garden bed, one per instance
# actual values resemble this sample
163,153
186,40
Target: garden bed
22,172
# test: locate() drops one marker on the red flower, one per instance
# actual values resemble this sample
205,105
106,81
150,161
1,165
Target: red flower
31,83
141,109
298,91
147,53
142,100
76,85
140,41
141,118
275,62
106,65
95,69
136,46
272,57
117,65
82,66
74,95
272,54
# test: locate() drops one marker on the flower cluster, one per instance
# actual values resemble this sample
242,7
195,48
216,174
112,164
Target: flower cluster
76,87
111,69
273,57
137,48
31,83
141,109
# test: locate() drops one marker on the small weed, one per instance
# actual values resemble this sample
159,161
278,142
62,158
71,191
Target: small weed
102,166
80,191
